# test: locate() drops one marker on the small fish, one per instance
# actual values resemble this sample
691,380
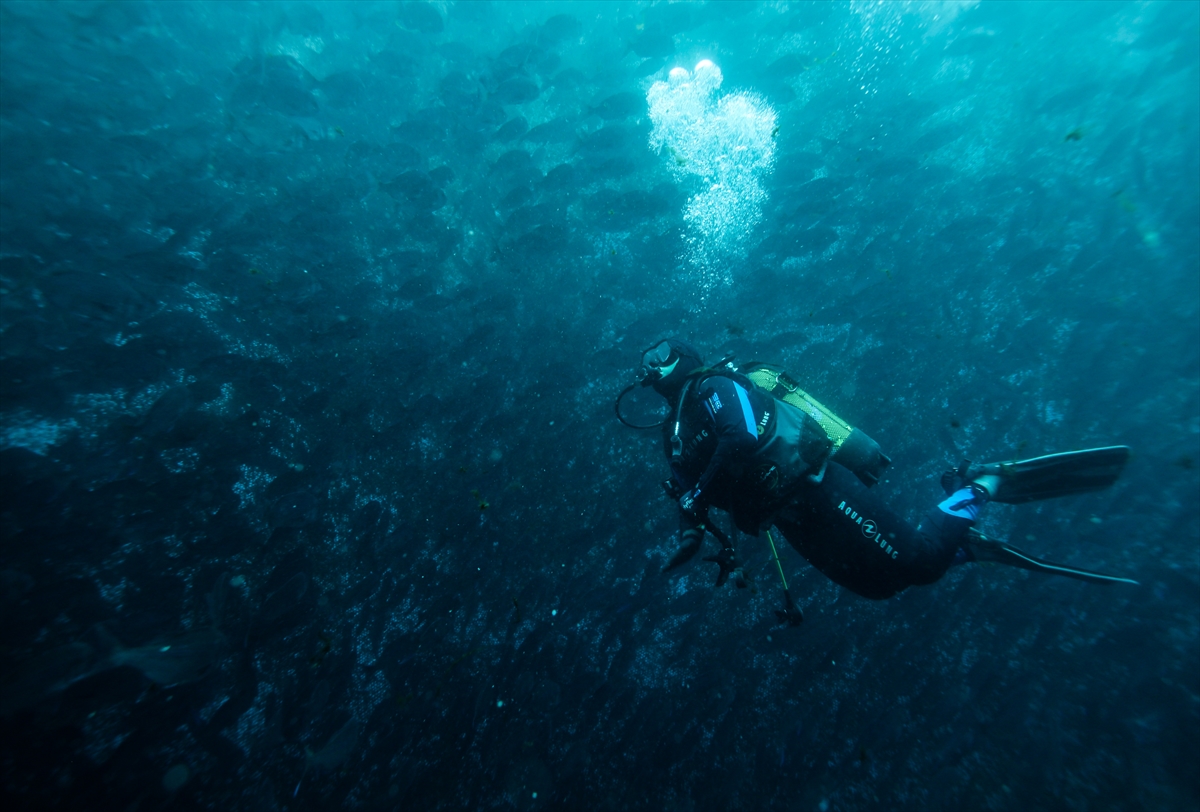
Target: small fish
48,673
179,661
337,749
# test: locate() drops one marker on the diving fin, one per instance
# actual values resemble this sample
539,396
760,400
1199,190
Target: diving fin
983,548
1019,481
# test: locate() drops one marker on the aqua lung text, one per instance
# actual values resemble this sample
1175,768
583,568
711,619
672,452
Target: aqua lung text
869,529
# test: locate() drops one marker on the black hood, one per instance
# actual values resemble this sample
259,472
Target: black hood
683,360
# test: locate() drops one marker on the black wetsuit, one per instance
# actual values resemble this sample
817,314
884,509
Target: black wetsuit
840,526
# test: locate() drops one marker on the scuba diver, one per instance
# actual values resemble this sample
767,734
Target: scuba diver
750,442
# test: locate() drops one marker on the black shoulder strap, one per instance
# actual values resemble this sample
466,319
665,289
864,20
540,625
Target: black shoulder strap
692,381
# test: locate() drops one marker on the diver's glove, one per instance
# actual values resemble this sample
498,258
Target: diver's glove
690,546
727,561
689,503
683,555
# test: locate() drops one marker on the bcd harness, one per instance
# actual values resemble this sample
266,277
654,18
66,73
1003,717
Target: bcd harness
800,441
849,447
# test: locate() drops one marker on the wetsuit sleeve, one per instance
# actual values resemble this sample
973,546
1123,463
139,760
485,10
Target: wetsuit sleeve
728,404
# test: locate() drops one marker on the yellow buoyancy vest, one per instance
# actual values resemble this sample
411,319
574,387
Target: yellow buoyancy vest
850,447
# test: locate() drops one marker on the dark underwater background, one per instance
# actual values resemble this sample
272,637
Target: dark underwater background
312,319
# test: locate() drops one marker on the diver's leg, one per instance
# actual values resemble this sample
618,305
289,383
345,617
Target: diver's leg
847,532
944,531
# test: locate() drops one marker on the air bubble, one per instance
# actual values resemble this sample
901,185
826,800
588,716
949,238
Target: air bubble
728,144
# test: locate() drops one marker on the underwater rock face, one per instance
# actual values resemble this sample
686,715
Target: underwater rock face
293,510
312,316
284,600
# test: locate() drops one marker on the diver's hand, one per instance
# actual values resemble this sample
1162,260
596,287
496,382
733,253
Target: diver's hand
684,554
690,546
727,561
689,503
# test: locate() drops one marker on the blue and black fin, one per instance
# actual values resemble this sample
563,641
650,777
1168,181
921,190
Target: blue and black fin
983,548
1019,481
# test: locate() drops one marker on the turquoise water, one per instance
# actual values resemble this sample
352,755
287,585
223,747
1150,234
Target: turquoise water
311,320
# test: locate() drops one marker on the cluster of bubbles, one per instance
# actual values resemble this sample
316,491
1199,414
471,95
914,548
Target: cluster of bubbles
889,25
728,143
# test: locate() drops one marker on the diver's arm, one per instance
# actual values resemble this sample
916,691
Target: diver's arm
691,533
728,405
690,527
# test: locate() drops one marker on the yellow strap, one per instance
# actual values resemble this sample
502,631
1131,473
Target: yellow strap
836,429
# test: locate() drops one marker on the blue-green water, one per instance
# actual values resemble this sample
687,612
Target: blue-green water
311,320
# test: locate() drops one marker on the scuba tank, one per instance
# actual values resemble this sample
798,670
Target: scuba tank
842,443
851,448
